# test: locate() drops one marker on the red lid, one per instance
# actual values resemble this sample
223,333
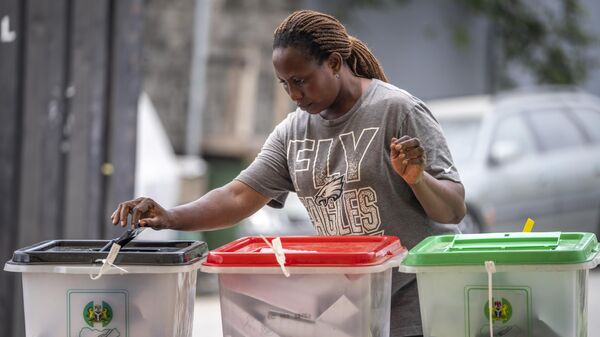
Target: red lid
313,251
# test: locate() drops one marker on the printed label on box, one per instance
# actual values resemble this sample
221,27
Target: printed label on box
511,311
97,313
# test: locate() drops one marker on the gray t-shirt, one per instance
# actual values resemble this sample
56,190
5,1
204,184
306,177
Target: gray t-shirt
342,173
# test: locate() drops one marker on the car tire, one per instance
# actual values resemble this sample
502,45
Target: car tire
469,224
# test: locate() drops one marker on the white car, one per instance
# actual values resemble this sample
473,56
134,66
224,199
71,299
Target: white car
526,154
292,219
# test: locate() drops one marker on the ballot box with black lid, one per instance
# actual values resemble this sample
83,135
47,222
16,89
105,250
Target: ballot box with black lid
335,286
148,290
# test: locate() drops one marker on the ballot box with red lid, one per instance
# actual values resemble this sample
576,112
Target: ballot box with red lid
306,285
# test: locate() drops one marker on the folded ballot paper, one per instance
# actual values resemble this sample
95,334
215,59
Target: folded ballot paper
247,319
336,321
240,323
305,295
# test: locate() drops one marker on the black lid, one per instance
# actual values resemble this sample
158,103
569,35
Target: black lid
88,252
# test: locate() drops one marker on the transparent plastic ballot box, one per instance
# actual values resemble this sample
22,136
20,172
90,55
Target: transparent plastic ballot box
537,282
147,291
338,286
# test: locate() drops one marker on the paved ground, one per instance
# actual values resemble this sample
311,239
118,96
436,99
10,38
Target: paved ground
593,303
207,314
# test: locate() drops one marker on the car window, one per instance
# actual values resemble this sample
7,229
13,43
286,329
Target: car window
590,121
512,140
461,135
555,129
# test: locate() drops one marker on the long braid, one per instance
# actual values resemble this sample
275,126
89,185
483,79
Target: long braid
362,58
321,35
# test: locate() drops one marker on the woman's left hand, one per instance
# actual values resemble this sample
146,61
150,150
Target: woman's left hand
408,158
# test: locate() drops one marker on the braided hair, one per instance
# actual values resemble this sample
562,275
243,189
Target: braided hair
320,35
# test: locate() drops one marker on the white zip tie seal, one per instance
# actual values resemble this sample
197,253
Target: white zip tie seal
279,254
108,262
490,267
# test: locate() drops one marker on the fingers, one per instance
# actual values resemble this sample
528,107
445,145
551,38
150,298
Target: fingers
139,211
405,152
396,147
150,222
117,216
137,208
416,161
404,164
124,210
145,222
144,212
405,142
406,148
414,153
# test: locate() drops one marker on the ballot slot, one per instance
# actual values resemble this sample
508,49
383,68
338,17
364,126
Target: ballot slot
91,295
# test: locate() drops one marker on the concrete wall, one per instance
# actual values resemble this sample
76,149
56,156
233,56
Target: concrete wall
166,57
243,99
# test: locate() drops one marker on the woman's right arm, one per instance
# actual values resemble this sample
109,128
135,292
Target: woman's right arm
220,208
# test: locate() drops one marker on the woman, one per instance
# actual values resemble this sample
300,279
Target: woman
363,156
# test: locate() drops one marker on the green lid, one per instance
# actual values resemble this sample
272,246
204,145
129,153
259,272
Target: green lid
504,249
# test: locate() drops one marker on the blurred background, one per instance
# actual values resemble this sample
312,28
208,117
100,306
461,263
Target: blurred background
105,100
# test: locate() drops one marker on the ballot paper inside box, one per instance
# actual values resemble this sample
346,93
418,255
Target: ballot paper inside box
311,311
328,292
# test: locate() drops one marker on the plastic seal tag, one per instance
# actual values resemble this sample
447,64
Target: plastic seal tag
279,254
108,262
490,267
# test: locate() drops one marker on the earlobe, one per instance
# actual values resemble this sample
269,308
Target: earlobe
335,63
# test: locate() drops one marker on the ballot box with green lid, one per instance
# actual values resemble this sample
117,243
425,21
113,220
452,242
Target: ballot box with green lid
147,291
537,283
335,286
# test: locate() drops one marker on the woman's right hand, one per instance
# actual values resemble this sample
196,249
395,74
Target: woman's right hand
145,212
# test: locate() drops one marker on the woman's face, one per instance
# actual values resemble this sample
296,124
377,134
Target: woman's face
312,86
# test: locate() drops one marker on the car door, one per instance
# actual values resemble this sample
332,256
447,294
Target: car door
564,157
588,118
579,201
517,186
